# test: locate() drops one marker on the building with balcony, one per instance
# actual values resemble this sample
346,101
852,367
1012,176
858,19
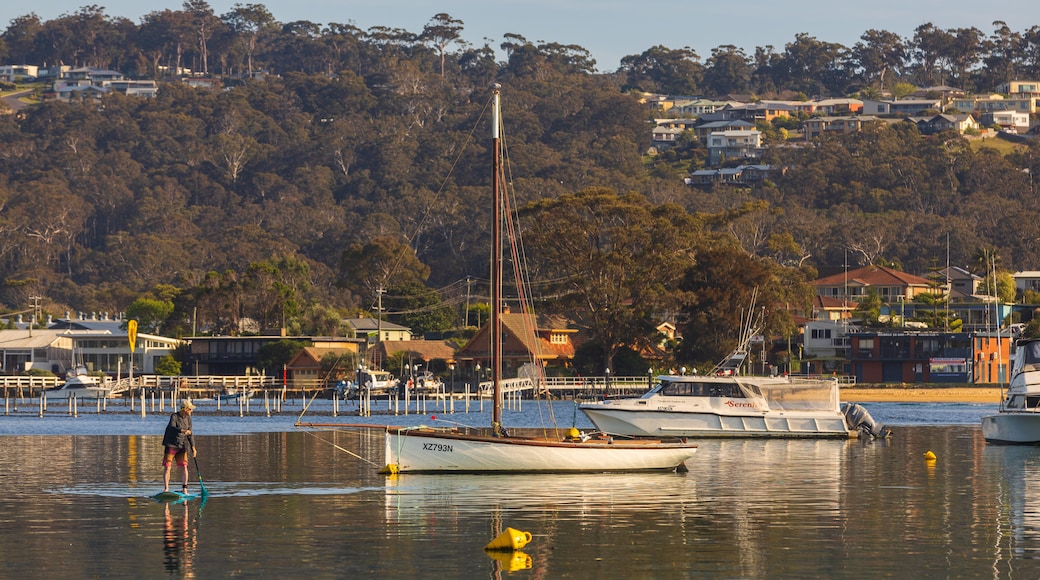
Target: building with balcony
901,356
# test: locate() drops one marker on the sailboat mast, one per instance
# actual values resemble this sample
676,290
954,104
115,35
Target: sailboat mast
496,263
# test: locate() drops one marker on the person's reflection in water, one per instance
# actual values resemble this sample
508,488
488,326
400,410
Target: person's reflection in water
179,542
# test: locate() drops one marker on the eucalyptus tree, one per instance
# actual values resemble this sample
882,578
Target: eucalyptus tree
164,35
1003,55
664,70
299,46
20,39
965,52
1030,51
931,48
812,66
879,52
369,268
204,24
727,71
442,30
249,22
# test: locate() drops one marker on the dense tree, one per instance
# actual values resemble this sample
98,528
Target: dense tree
356,161
664,70
879,52
727,71
613,259
150,314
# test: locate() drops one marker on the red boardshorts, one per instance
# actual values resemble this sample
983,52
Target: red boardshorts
172,453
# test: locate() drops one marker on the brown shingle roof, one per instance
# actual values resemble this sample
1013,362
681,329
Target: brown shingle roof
873,276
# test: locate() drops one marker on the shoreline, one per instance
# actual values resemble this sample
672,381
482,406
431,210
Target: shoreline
920,394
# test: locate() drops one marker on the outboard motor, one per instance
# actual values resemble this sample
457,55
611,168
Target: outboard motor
856,417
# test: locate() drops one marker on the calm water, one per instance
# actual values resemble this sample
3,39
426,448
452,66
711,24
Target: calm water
293,503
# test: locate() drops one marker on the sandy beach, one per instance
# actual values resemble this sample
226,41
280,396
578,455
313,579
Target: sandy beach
920,394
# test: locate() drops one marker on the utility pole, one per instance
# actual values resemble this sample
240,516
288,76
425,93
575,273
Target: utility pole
379,315
34,305
467,300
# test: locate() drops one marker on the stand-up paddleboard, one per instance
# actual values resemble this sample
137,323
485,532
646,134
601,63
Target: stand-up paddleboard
174,496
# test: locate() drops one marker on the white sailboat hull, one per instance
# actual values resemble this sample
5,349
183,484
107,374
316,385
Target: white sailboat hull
438,451
667,423
1012,427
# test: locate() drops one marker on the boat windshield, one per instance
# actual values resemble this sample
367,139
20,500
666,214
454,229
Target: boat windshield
1031,353
698,389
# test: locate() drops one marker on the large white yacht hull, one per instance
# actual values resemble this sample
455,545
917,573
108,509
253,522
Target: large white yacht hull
422,450
1012,427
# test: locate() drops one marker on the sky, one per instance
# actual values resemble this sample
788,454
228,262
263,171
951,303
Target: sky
611,29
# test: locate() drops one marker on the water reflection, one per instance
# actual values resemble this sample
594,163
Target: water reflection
293,505
180,539
1018,498
733,486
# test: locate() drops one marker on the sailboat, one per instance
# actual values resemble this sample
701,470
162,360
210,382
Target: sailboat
424,449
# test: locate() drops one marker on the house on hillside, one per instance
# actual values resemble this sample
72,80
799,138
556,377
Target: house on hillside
929,125
903,107
739,175
705,128
727,145
525,337
817,126
891,285
419,355
1010,121
376,330
307,364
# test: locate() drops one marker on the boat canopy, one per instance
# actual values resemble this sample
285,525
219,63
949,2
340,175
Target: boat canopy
777,394
807,395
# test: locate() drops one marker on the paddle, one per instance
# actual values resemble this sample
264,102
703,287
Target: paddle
202,486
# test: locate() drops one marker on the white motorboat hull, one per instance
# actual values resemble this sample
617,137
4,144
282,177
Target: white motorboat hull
615,419
1012,427
421,450
81,393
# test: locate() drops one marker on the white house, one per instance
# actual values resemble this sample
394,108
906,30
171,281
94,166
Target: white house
736,144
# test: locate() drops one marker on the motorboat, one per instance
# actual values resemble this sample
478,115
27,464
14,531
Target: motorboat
726,402
80,384
234,394
1017,420
730,405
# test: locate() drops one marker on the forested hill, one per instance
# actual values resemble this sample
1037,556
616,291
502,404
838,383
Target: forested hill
361,163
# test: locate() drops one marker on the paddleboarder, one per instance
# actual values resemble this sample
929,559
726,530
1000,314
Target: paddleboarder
176,443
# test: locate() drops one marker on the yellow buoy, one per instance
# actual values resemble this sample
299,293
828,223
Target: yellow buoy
929,456
510,539
573,433
390,469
